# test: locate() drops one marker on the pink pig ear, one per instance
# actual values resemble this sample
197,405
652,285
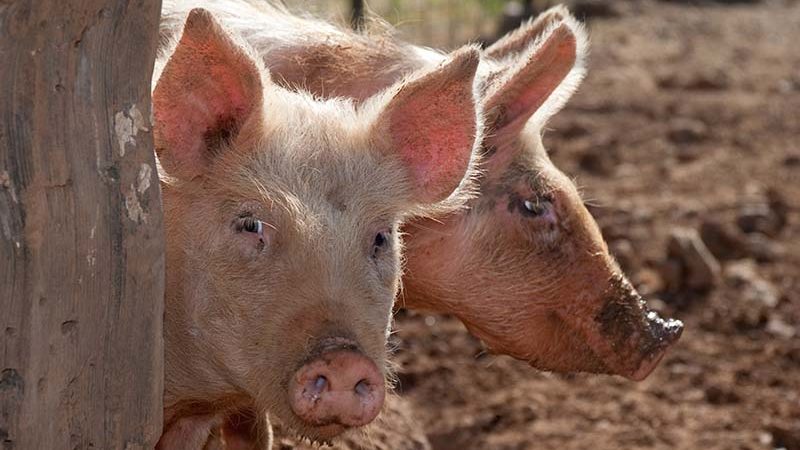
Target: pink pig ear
208,89
432,123
516,41
539,81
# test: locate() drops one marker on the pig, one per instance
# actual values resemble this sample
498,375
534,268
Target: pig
282,216
524,266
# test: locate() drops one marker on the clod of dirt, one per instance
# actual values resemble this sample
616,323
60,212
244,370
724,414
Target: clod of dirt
597,164
776,326
690,265
756,218
767,214
572,130
792,160
763,249
687,131
785,438
717,395
723,240
743,276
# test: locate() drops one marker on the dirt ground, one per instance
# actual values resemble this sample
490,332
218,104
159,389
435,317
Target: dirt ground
689,118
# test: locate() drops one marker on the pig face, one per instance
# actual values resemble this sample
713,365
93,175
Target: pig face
488,264
282,216
525,267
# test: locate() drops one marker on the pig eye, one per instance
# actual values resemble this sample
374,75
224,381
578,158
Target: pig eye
251,225
536,207
381,242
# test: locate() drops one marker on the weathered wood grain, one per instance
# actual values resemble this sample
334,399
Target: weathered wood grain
81,242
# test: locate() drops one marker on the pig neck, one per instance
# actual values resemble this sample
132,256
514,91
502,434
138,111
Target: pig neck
427,291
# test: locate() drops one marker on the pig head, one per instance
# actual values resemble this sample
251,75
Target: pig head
524,266
282,223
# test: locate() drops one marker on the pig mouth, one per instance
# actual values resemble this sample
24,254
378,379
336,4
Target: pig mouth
242,428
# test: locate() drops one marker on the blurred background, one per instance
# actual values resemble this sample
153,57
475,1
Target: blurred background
685,139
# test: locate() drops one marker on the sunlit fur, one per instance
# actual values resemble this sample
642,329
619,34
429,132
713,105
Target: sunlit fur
240,319
529,291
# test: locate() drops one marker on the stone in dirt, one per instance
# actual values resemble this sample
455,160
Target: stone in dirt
690,265
744,277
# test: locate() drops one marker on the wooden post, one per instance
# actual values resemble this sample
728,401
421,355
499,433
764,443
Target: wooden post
81,241
357,16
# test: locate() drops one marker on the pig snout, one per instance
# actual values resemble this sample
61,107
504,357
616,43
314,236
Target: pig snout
635,338
660,335
341,387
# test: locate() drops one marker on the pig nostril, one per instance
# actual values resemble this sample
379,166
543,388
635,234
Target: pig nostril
362,388
319,384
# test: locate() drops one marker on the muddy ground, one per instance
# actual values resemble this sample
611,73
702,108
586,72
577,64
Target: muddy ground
689,119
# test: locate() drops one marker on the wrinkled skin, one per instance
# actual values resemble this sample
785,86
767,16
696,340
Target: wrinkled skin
282,217
534,283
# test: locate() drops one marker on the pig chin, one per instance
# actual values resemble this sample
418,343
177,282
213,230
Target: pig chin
620,336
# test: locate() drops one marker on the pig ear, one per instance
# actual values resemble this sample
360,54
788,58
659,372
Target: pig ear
431,122
540,81
208,89
515,42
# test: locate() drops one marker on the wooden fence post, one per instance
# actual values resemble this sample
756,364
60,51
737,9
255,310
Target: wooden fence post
357,15
81,241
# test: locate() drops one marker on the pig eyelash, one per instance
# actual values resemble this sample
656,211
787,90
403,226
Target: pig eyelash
252,225
249,224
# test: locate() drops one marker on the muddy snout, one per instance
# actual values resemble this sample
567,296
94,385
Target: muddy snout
659,335
340,386
632,339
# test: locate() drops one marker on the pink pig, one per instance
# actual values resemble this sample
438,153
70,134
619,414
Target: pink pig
282,224
524,267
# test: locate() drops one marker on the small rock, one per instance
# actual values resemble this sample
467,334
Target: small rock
720,396
778,327
596,163
756,218
778,206
763,249
786,438
724,241
792,160
708,81
699,269
764,214
686,154
743,276
687,131
572,130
